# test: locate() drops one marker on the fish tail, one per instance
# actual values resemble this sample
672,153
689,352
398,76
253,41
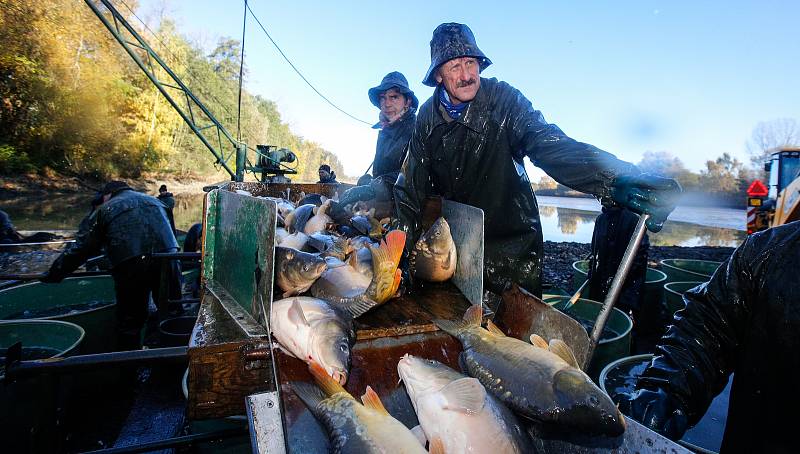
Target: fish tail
474,315
395,242
355,306
398,277
326,382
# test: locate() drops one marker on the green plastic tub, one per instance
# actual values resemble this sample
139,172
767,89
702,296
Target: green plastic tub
29,408
684,270
88,302
614,345
653,286
674,294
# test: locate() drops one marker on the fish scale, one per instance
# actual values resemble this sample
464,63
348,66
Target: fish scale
535,382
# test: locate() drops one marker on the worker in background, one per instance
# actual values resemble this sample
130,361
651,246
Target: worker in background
468,146
613,230
396,118
8,233
745,321
326,175
130,226
168,200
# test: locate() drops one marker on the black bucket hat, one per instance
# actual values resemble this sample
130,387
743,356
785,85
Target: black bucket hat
452,40
392,80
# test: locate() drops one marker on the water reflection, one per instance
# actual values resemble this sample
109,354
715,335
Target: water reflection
65,211
559,223
567,224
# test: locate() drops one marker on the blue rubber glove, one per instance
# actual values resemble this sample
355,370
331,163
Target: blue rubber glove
657,410
647,193
356,194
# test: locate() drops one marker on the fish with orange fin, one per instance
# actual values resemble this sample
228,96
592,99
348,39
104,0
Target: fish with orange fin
351,291
542,384
354,427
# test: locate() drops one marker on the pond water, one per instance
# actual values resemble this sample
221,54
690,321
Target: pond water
563,219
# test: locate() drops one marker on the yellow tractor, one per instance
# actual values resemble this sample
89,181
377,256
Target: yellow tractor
782,204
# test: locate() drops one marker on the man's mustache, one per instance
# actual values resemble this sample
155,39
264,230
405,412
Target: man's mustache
465,83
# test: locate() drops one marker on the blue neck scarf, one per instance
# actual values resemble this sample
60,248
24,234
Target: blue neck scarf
454,111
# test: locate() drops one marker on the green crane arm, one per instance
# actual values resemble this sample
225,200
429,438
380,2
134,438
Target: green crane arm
149,62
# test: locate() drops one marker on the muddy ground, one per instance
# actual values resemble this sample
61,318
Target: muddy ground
558,258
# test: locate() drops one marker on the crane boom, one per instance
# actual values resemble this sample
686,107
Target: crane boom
134,44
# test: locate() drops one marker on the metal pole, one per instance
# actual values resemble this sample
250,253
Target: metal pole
173,442
616,286
23,369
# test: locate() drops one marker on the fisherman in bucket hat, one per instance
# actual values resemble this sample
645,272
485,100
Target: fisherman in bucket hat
468,146
398,107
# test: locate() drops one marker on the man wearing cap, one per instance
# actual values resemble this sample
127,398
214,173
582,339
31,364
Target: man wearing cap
130,226
468,146
326,175
166,197
398,107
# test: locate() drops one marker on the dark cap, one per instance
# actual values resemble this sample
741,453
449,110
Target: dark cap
163,187
452,40
392,80
325,167
115,186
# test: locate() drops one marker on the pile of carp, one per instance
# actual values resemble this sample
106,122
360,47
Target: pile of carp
349,263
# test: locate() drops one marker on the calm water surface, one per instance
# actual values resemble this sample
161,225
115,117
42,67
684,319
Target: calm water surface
563,219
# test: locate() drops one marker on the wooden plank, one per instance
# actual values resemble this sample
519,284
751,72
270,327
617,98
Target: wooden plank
413,314
221,374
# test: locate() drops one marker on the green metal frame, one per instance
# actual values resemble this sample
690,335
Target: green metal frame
150,63
239,235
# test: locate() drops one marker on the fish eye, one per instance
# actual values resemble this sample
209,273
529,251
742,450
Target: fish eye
593,400
305,267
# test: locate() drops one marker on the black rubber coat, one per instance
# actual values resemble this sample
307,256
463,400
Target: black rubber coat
390,150
130,224
169,203
745,321
478,160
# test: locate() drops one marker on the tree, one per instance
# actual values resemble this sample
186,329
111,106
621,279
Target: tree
771,134
725,174
547,182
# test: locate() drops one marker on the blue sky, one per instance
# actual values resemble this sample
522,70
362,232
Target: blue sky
690,78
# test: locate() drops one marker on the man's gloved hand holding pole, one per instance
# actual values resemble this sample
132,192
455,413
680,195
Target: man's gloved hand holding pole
647,193
657,410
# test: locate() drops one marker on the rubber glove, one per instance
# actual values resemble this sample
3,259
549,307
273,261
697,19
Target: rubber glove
657,410
355,194
647,193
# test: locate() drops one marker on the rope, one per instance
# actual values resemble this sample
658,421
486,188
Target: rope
241,78
298,71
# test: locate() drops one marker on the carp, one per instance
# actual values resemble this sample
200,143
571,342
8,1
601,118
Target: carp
297,219
310,329
354,427
434,256
296,271
319,222
542,384
457,410
296,240
354,292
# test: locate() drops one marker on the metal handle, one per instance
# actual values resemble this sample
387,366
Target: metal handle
616,286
